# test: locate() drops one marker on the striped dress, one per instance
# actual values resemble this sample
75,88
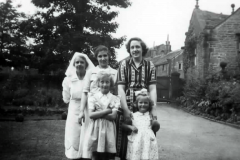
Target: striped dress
134,78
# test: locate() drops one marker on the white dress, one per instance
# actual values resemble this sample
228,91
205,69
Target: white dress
101,133
143,144
90,86
74,132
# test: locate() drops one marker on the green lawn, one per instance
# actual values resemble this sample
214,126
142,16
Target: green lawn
32,140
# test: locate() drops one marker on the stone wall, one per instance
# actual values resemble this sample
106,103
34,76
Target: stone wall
175,65
223,46
162,70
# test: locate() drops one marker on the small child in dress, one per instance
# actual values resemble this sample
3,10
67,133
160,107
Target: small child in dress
101,132
142,143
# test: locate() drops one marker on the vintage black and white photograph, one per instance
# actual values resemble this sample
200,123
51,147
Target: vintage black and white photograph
119,80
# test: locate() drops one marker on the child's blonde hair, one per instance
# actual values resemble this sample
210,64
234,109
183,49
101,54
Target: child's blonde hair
151,104
102,74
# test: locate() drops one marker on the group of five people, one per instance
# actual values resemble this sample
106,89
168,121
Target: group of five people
103,124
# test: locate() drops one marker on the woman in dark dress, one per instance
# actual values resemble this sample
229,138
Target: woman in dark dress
133,75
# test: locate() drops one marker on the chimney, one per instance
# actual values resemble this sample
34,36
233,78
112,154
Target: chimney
197,6
232,5
168,46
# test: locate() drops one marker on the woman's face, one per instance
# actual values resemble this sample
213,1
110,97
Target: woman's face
103,58
143,104
79,63
135,49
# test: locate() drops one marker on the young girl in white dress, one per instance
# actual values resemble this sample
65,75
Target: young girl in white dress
101,132
142,143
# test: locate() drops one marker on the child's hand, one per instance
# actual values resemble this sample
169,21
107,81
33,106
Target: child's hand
97,107
134,129
111,106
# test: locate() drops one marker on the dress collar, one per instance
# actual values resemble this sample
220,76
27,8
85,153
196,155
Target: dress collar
74,77
97,69
101,95
142,114
131,62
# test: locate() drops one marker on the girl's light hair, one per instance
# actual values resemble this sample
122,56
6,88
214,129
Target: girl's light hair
103,74
151,104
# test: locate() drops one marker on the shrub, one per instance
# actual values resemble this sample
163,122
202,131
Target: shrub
194,90
22,92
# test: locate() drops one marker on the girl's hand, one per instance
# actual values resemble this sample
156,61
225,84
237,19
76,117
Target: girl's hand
81,117
98,107
134,129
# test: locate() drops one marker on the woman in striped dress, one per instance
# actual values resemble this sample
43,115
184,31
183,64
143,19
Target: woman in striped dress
134,74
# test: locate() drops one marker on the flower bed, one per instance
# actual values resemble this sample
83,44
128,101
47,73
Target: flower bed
217,97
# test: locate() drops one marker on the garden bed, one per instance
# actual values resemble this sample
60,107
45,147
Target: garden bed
10,113
210,117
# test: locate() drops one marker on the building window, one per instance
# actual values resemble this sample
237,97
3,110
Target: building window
195,58
179,66
163,67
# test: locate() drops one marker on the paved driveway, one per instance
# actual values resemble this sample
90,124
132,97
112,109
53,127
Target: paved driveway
187,137
181,137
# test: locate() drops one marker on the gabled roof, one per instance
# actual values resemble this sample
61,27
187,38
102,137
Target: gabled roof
200,19
154,48
158,60
228,18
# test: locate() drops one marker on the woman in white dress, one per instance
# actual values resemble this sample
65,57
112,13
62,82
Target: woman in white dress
103,55
72,91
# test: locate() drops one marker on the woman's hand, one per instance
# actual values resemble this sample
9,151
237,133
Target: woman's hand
127,116
134,129
81,117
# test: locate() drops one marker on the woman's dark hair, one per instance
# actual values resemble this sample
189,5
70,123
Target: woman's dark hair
82,58
100,48
143,44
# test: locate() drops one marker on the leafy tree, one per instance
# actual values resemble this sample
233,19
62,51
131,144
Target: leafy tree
12,40
67,26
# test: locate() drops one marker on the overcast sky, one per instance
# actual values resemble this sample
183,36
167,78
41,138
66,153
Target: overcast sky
153,20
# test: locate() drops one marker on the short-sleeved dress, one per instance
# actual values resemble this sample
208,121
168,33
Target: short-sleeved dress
143,144
134,78
72,91
90,86
101,133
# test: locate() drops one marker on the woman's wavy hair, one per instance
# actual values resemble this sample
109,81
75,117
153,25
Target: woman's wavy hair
82,58
100,48
102,74
151,104
143,44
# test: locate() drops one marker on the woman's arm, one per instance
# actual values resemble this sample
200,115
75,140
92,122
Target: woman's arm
153,96
121,92
83,101
82,107
84,97
66,90
99,114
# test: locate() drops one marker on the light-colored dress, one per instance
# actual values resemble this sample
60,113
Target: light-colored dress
72,91
143,144
101,133
90,86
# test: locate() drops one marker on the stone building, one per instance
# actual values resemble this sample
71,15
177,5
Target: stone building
159,50
212,38
169,63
